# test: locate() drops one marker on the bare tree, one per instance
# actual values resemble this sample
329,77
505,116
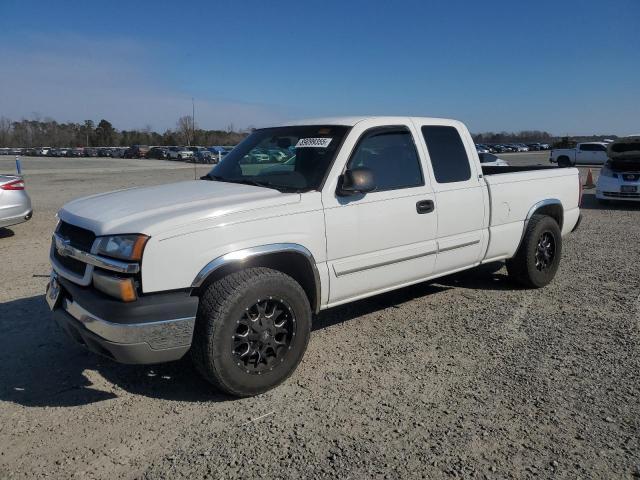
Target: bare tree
5,131
185,128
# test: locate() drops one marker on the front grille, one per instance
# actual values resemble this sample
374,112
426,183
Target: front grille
621,195
71,264
78,237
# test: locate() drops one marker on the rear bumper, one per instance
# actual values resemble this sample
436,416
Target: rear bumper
154,329
610,188
15,220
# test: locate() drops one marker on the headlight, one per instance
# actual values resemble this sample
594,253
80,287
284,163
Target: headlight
123,247
605,171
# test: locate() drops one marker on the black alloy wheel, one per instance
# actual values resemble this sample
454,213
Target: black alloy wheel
263,335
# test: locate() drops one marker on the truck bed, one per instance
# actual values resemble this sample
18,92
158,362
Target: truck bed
512,193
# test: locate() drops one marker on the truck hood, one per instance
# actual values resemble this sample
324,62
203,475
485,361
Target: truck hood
153,210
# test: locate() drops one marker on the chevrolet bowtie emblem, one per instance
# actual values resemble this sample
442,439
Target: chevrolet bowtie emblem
63,246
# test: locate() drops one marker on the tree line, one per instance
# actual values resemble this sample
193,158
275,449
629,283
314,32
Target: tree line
50,133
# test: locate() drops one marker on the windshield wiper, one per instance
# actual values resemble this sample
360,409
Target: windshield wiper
250,181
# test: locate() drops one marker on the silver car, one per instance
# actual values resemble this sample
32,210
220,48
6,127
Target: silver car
15,204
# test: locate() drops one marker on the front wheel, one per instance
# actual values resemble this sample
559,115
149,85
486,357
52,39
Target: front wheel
252,330
538,258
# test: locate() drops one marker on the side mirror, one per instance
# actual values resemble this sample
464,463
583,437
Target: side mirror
357,180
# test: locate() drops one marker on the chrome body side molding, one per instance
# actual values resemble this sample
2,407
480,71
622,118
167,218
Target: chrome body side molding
455,247
383,264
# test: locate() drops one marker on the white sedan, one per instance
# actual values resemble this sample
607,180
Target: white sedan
15,204
619,178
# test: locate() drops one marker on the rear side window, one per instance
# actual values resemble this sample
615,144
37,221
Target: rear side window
391,154
448,156
593,147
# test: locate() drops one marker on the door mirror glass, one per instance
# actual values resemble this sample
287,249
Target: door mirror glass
357,180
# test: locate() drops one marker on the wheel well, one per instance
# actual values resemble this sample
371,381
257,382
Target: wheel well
294,264
554,211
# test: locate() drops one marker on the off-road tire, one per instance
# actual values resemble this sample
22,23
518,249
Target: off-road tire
221,306
522,267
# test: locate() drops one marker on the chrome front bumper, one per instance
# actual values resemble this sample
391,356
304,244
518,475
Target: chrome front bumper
126,341
158,335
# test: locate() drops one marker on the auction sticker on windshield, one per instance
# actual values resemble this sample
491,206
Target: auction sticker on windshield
313,143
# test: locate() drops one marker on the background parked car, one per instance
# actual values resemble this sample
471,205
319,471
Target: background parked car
179,153
587,153
75,152
136,151
159,153
218,153
202,155
15,204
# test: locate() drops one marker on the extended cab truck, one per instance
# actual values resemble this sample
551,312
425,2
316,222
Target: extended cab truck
232,267
588,153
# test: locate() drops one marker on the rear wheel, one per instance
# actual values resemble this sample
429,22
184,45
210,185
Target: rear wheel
564,162
537,260
251,332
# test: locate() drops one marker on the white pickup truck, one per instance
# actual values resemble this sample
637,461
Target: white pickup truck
233,266
587,153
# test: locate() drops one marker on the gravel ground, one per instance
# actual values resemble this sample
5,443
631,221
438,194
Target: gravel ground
468,376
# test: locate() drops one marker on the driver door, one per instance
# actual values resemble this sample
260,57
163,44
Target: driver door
382,239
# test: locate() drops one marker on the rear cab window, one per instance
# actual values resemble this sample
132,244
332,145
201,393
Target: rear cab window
448,155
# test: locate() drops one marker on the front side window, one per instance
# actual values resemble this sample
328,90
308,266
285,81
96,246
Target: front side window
391,155
448,155
293,158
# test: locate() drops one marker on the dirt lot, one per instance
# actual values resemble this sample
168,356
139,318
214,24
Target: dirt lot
469,376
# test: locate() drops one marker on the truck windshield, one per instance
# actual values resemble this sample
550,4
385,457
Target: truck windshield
288,159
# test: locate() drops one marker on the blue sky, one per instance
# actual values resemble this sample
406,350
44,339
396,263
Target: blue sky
569,67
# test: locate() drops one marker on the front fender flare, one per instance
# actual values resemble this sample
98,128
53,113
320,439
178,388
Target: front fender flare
244,255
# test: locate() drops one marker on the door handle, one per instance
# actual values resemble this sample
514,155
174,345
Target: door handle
425,206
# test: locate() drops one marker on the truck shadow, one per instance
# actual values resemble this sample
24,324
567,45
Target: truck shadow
590,202
490,276
6,232
41,367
